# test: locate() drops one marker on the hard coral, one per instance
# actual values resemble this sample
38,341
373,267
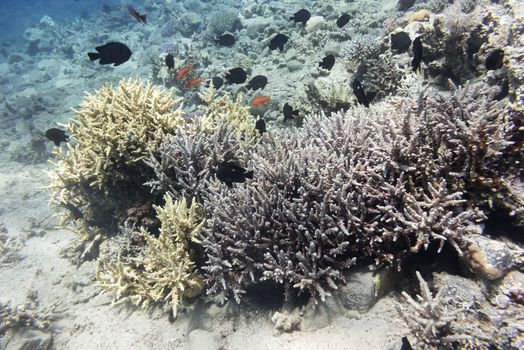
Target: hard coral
163,271
223,19
101,173
364,184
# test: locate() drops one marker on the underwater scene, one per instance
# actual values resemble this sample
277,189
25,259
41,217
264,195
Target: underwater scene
262,174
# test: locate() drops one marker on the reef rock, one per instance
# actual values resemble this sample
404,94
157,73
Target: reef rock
488,258
458,289
315,23
189,23
255,26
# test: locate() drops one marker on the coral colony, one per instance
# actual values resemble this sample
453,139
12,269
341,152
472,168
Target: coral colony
176,202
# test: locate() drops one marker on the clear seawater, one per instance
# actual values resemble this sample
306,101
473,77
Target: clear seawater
17,15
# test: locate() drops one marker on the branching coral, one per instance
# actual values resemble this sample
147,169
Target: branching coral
222,109
100,175
383,75
361,47
431,319
445,321
163,272
359,184
191,156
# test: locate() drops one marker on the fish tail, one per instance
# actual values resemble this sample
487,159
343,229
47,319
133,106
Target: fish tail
249,174
143,18
93,55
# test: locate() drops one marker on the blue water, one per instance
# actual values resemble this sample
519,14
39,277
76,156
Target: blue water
17,15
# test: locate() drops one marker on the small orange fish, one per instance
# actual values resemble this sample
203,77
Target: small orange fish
260,100
183,72
193,83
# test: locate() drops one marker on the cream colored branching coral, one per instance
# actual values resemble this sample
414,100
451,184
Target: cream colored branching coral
163,272
224,109
102,169
116,126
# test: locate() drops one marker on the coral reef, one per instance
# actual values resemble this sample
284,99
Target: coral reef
348,187
163,271
445,320
168,28
223,19
431,319
99,177
361,47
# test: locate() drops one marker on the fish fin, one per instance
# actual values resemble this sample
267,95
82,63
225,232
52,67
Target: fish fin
57,143
104,60
114,65
249,174
93,55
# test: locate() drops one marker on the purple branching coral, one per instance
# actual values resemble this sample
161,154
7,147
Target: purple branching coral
356,186
191,156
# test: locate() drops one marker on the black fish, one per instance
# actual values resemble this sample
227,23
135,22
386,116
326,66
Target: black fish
327,62
400,42
289,112
170,61
236,76
495,59
417,54
229,173
257,82
343,20
278,41
116,53
405,344
301,16
217,82
260,125
57,135
225,40
359,92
